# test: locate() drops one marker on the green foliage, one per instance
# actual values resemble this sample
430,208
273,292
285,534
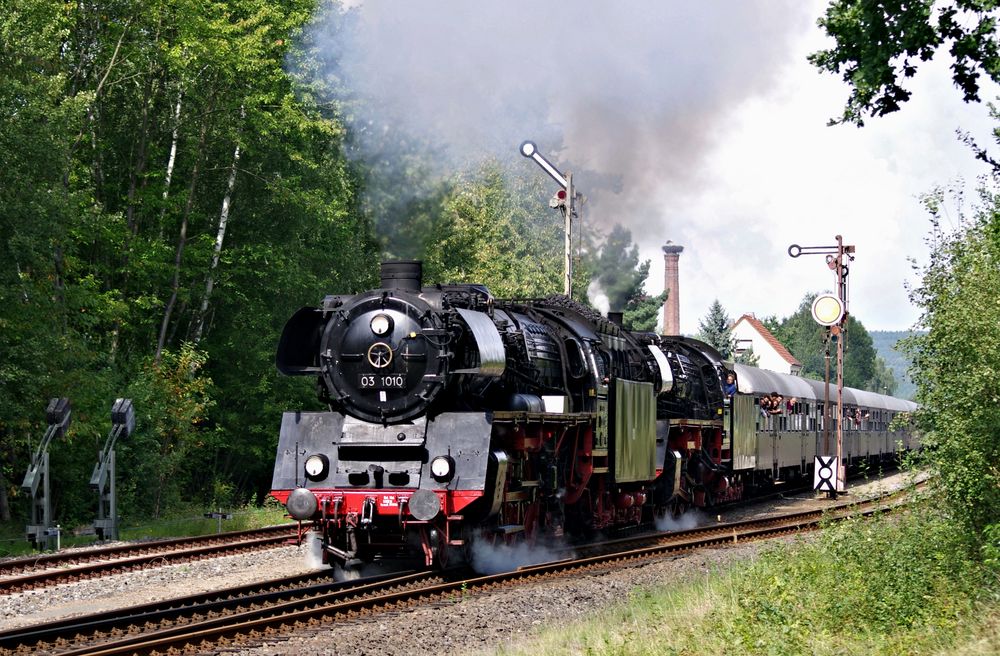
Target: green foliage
879,44
641,312
867,578
991,548
890,585
895,360
118,127
190,521
618,271
716,329
493,231
957,361
747,357
883,379
173,438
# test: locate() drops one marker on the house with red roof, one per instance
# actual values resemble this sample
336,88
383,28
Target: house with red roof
748,332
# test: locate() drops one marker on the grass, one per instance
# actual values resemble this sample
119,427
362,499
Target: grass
891,585
180,524
185,524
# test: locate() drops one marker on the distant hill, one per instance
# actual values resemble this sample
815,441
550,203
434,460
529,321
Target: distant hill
885,343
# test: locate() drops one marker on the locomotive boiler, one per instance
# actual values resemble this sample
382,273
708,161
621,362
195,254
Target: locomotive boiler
453,415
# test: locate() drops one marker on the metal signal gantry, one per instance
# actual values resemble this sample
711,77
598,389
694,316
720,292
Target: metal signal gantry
36,480
831,312
103,478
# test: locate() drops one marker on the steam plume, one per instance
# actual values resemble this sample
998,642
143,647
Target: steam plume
626,95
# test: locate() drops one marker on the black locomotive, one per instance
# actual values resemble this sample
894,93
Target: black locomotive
456,416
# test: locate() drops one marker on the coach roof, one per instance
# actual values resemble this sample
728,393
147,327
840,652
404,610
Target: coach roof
751,380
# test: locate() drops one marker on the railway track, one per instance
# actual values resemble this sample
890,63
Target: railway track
266,611
41,571
75,565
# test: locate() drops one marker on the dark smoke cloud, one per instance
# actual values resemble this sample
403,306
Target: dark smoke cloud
627,95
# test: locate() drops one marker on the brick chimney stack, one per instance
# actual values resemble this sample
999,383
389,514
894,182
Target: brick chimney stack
672,308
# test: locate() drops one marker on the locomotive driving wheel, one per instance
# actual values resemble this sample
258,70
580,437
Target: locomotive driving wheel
677,506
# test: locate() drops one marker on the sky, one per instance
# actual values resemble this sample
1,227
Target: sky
699,123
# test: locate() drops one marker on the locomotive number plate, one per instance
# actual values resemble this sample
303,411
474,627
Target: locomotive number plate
382,381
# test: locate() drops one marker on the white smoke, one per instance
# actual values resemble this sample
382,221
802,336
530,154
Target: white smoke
686,522
312,547
628,97
597,298
490,558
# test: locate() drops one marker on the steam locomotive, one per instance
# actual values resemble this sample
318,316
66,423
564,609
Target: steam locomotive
456,416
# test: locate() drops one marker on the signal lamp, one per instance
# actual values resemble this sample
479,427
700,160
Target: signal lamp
827,310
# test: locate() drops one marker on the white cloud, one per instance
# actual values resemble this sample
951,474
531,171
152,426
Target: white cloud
781,176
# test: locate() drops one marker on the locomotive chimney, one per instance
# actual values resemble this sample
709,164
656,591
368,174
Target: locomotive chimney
616,317
406,275
672,308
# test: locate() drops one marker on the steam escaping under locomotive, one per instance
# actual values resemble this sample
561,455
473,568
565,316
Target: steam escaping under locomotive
456,416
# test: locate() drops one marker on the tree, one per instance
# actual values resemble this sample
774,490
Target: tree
621,277
174,437
956,363
52,307
716,329
618,270
860,359
884,380
879,43
747,357
642,312
491,232
163,179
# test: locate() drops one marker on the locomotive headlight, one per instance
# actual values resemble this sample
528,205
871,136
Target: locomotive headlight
381,324
317,466
443,468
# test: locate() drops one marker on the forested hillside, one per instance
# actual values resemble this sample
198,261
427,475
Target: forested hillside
885,342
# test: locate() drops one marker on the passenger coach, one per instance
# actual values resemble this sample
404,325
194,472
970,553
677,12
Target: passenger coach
782,445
